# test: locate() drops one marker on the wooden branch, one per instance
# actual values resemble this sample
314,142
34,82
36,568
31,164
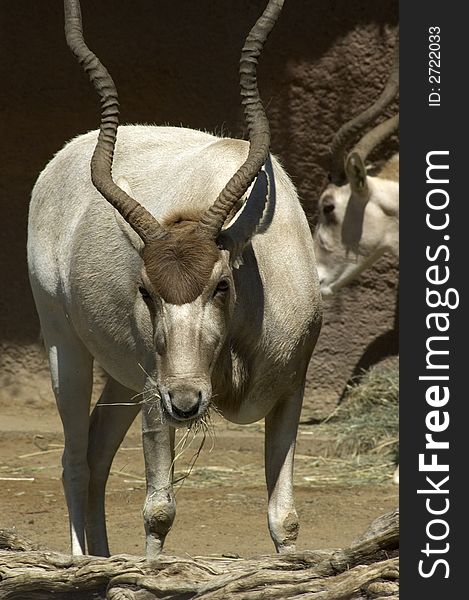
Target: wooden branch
10,540
368,569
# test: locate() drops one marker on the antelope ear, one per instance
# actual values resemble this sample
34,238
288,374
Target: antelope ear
247,221
131,235
356,173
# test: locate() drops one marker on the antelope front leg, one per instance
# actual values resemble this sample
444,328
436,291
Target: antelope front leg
158,450
281,426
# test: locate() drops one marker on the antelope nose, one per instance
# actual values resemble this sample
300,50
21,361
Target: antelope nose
185,402
187,407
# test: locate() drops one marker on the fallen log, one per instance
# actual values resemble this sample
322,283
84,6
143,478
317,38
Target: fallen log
367,569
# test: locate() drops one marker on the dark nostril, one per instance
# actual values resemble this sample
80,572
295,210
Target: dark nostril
200,397
185,414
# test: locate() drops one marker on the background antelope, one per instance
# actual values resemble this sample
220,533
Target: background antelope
192,295
359,213
358,216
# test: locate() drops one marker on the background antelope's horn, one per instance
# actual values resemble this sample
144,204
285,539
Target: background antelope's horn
350,129
374,137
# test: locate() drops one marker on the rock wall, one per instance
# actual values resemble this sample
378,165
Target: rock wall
175,62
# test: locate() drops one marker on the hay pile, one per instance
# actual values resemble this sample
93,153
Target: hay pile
368,419
362,432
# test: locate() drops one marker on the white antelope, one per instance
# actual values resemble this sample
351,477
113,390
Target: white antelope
358,213
191,295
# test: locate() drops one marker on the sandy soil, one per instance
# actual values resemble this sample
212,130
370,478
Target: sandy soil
221,506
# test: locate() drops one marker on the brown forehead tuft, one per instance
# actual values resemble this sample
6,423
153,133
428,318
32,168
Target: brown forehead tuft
180,264
184,219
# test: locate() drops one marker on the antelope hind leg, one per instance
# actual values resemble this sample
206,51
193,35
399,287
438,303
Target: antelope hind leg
110,420
71,367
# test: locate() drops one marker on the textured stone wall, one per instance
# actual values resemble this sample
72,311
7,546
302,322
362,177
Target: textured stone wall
175,62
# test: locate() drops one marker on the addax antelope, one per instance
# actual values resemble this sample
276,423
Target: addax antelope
358,212
185,281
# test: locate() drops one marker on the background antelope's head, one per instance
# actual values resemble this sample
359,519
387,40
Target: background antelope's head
186,280
355,208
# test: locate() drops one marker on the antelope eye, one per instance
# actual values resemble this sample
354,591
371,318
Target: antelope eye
143,292
328,208
222,286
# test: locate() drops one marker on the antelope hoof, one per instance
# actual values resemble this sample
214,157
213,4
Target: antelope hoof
284,532
158,515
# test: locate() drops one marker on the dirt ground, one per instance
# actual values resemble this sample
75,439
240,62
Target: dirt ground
221,506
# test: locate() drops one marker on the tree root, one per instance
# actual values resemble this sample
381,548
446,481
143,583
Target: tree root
367,569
